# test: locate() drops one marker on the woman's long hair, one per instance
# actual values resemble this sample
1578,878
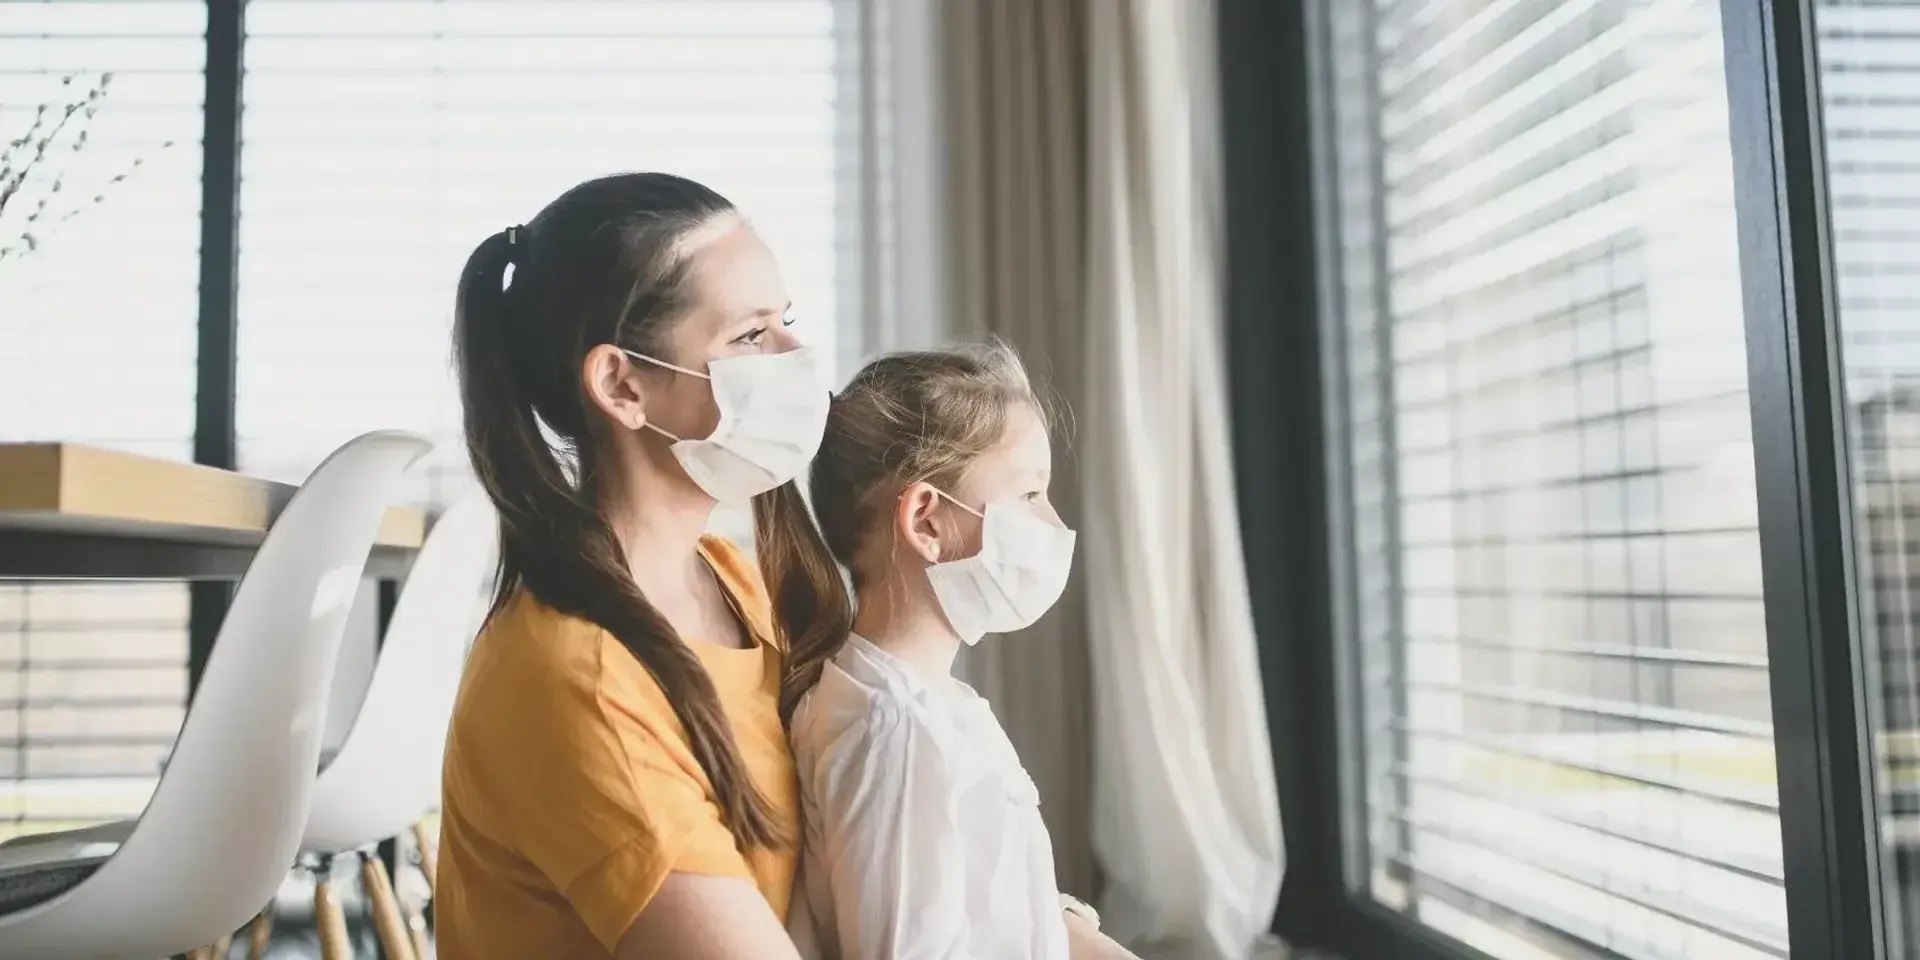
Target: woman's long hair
604,263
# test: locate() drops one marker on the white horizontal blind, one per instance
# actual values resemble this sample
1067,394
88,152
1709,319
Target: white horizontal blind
383,139
97,345
97,325
1563,685
1869,56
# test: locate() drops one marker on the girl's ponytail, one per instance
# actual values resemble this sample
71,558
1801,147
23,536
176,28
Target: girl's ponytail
810,598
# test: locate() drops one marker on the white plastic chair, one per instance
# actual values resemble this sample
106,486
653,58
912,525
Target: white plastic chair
386,775
226,818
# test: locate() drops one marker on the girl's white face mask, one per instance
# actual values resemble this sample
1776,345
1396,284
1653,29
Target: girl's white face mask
773,412
1016,577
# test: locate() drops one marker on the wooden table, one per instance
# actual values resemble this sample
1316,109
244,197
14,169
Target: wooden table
69,511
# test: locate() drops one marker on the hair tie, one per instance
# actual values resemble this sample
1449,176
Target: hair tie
513,244
513,257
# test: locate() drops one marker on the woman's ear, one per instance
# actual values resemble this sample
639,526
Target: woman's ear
914,520
613,385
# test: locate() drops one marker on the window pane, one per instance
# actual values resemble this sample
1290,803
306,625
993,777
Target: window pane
1557,623
97,344
1869,64
383,139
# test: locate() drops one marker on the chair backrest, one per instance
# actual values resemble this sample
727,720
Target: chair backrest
386,774
224,824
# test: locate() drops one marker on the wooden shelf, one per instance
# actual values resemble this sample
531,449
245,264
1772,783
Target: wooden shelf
65,487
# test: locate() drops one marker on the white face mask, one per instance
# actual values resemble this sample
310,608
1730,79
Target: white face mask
1016,577
773,411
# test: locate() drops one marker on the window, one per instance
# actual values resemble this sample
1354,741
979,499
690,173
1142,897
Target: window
97,344
383,139
380,141
1869,63
1556,619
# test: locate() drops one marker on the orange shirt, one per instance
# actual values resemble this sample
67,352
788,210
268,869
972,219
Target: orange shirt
570,793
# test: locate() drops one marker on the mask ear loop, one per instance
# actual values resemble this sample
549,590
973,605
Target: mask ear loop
665,366
950,499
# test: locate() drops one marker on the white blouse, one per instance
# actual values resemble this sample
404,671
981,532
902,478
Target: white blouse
923,831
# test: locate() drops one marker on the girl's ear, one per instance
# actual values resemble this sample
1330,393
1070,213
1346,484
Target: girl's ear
914,520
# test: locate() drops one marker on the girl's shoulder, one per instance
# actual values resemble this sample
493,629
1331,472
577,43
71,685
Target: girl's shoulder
864,703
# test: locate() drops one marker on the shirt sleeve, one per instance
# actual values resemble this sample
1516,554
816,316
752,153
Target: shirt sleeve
893,849
676,829
597,800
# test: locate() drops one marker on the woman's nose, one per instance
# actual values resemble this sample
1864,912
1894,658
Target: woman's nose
783,339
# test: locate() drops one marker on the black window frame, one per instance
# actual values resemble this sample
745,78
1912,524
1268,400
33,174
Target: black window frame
217,361
1278,300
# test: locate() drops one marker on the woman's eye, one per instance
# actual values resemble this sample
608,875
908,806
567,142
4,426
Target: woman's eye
752,337
789,320
1035,496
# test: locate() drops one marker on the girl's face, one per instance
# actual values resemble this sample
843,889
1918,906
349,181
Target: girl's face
1015,473
739,306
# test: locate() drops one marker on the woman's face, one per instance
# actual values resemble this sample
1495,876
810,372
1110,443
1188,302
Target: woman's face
738,306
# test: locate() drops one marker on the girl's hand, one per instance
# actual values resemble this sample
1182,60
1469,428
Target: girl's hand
1086,942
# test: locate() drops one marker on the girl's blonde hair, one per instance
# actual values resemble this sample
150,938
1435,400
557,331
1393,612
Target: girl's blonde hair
904,418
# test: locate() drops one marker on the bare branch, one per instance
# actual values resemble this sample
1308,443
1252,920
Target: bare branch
37,168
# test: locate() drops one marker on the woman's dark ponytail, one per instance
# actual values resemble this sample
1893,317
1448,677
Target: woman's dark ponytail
554,541
810,599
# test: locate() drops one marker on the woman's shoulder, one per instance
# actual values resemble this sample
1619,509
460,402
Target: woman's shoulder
528,641
531,653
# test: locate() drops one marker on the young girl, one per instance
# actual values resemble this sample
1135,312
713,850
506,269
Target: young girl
923,836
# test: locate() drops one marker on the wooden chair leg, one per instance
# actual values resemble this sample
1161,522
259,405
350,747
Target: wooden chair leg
216,950
331,920
394,942
259,933
429,856
417,928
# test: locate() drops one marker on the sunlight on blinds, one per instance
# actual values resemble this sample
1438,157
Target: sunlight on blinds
97,345
1564,711
1869,55
383,139
97,321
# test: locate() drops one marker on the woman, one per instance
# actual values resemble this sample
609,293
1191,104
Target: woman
617,781
923,830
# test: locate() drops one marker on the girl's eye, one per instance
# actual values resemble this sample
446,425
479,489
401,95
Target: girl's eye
752,337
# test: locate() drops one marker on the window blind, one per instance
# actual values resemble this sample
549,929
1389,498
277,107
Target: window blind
97,343
383,139
1561,697
1869,56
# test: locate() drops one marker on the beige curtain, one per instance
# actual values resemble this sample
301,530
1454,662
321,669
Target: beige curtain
1081,221
1186,814
1013,75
